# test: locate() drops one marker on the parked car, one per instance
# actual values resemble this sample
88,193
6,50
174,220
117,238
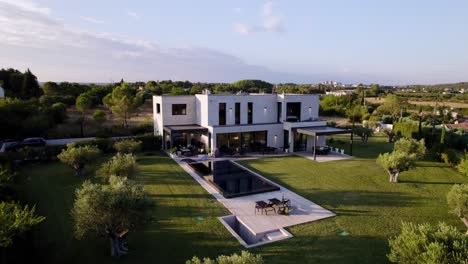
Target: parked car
33,142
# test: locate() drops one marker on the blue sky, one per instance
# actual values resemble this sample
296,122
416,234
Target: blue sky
389,42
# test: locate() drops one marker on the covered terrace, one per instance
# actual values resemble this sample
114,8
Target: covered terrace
325,131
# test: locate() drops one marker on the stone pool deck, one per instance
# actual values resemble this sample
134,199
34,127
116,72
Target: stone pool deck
303,210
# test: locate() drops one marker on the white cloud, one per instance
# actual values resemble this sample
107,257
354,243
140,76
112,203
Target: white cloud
91,20
32,37
133,15
243,29
270,22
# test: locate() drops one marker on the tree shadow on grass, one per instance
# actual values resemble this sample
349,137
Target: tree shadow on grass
326,249
436,183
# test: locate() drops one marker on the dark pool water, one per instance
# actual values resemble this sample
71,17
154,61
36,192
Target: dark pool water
230,179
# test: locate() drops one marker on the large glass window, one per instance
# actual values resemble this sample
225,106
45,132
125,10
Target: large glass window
237,114
293,112
280,105
222,114
179,109
249,113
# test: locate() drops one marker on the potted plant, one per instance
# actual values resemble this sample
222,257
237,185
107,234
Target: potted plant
172,152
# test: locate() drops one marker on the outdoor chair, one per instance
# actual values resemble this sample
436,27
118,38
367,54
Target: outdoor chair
264,207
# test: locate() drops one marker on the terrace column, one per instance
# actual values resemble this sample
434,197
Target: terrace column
291,140
315,147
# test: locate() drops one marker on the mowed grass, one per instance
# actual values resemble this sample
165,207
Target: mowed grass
173,235
368,207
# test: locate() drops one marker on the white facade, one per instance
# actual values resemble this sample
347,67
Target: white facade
272,122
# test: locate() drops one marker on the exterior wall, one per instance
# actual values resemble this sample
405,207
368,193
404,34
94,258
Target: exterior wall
306,100
157,117
264,108
202,109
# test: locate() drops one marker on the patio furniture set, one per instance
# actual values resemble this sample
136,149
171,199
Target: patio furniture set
282,207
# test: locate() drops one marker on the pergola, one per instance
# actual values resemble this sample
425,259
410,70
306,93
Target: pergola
170,131
325,131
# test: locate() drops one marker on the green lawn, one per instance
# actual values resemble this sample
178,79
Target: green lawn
368,207
173,236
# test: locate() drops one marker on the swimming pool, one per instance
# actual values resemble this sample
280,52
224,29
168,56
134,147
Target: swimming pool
230,179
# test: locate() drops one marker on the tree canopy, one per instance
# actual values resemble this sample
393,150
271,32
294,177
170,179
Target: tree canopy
16,219
457,200
422,244
110,210
121,165
244,258
78,157
122,102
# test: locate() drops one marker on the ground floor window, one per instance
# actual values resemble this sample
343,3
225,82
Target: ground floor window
241,142
300,142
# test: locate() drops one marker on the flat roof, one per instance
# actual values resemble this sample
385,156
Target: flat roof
185,128
323,130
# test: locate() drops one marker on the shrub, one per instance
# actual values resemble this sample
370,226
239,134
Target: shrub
450,157
149,142
386,119
143,128
429,244
121,165
463,166
244,258
406,129
106,145
127,146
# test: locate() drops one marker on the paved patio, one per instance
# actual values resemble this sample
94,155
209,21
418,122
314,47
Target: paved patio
303,211
332,156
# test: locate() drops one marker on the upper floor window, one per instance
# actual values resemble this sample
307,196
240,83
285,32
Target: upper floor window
237,113
222,114
280,110
249,113
179,109
158,108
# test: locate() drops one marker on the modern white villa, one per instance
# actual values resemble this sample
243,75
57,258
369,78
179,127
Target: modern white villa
227,123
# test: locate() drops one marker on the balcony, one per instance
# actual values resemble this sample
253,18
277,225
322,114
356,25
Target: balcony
312,122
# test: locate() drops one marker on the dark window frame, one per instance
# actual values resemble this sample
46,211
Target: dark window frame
237,114
158,108
222,114
179,109
249,113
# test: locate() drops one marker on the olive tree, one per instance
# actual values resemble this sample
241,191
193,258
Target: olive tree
127,146
244,258
16,219
421,244
110,210
406,152
457,200
395,163
121,165
78,157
